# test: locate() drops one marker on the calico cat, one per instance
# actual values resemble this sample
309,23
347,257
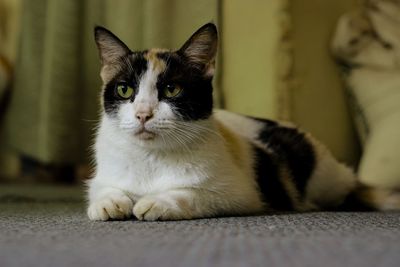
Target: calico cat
163,153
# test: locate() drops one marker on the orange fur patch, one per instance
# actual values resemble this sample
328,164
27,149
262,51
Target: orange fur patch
233,144
158,64
287,180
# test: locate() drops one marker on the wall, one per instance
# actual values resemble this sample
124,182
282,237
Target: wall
318,102
250,39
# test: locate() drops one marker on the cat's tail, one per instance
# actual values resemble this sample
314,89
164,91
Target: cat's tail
366,197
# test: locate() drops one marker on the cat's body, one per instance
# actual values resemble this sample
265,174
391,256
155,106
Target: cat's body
163,153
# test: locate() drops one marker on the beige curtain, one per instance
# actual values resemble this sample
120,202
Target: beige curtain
55,100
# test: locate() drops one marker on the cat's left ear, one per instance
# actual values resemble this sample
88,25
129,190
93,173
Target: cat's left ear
201,49
111,48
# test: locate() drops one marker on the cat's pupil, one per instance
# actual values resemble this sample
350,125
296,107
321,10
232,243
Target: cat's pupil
124,88
170,88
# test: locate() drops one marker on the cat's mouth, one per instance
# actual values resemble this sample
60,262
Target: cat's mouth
145,134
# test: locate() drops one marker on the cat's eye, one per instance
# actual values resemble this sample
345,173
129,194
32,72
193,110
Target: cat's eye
124,90
172,90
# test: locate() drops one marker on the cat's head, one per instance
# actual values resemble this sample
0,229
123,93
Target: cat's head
158,95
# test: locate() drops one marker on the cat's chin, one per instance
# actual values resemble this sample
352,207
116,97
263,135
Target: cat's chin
145,135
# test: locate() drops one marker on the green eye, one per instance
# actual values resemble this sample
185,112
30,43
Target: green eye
172,90
124,90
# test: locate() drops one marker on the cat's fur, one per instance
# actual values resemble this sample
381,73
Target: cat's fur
160,158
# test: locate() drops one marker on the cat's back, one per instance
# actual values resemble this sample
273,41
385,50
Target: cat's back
257,130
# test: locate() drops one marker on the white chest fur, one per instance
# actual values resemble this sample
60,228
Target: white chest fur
139,171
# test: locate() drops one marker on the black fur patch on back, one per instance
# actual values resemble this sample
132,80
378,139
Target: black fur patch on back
272,189
290,147
195,102
132,67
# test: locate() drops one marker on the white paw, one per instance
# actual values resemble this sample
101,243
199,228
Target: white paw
152,208
114,206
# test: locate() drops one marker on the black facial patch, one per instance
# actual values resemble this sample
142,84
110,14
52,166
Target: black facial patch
290,147
272,189
195,102
131,68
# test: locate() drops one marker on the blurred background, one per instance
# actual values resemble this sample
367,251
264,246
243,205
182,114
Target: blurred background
274,62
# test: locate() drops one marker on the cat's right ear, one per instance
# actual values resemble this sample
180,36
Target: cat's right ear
110,47
201,48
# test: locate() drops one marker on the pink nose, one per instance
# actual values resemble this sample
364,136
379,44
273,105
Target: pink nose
143,117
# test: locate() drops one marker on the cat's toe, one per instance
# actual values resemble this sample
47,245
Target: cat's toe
113,207
148,209
96,212
152,209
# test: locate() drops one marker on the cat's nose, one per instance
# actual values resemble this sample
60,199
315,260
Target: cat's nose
143,117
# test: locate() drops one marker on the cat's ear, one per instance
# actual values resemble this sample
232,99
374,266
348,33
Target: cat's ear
201,48
111,48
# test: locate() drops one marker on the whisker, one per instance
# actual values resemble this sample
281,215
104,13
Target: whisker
180,141
196,127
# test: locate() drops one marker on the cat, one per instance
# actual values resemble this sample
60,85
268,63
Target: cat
163,153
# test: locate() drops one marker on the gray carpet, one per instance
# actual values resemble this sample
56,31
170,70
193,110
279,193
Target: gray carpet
47,226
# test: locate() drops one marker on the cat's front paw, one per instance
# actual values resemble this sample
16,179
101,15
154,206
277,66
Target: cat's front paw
152,208
114,206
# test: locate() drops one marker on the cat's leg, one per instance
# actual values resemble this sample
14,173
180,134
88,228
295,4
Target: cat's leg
180,204
170,205
106,203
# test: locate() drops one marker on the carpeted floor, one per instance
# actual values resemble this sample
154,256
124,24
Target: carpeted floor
47,226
